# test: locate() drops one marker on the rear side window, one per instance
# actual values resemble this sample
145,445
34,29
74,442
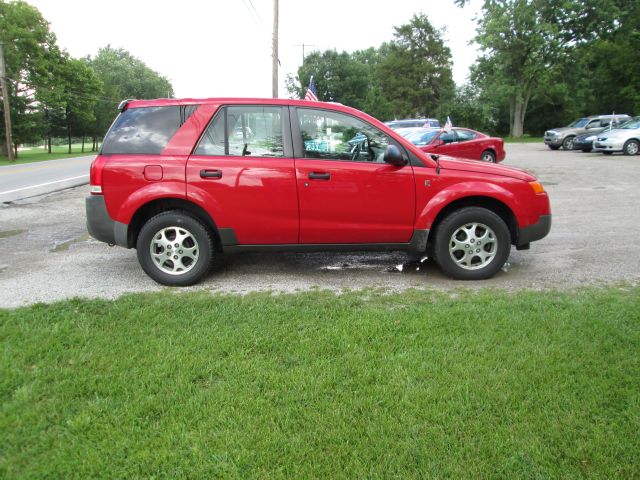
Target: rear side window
145,130
251,131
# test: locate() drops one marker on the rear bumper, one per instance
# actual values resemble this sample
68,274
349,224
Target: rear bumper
534,232
101,226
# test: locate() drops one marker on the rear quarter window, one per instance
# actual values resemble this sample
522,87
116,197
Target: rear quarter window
145,130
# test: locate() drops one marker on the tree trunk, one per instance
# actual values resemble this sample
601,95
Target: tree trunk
69,138
48,143
82,143
518,117
15,150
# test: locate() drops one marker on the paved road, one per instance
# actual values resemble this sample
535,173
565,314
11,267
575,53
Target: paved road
30,179
47,254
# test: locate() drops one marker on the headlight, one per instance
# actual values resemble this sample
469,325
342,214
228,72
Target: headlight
602,139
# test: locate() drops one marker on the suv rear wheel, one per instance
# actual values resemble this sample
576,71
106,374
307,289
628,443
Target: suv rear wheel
472,243
175,248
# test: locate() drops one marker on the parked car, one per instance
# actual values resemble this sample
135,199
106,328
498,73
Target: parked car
413,122
584,141
564,136
625,139
458,142
174,182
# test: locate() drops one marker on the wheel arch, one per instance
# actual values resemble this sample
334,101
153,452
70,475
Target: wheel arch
492,204
160,205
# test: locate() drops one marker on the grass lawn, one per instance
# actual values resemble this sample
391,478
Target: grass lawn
39,154
313,385
525,139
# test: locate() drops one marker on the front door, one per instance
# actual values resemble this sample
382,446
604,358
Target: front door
347,193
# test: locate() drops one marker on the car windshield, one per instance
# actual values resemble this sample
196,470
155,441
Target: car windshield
422,138
581,122
631,124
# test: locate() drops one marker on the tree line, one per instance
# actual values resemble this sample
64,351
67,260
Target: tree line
542,63
53,95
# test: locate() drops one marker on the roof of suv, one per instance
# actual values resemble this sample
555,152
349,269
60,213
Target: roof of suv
163,102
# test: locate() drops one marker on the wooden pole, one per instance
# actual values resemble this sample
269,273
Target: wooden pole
5,104
274,69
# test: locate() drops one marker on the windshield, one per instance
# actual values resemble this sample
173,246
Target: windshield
581,122
631,124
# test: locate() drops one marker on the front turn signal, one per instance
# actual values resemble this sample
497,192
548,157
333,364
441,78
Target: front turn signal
537,187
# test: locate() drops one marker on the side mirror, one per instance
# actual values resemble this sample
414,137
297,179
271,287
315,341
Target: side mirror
393,156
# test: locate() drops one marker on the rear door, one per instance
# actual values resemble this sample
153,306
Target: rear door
242,172
347,193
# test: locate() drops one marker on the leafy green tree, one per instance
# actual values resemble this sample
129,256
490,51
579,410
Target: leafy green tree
123,76
30,54
415,75
80,91
524,43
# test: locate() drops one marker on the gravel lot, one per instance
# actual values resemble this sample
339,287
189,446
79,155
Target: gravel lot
48,255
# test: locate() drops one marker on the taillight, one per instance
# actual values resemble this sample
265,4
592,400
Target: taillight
95,175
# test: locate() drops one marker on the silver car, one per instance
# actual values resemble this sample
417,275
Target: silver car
625,139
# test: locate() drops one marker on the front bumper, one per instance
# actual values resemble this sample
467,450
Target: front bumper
553,141
534,232
101,226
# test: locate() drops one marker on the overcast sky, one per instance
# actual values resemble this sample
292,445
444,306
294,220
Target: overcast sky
221,48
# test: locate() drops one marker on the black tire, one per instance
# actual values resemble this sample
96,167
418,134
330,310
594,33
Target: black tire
631,147
189,234
486,225
488,156
567,143
586,150
608,153
554,147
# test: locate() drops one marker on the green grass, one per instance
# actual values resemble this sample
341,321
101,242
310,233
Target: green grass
39,154
525,139
313,385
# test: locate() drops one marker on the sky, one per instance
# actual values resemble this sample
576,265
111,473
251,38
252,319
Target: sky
222,48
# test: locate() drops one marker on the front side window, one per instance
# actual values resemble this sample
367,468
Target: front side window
145,130
336,136
252,131
448,137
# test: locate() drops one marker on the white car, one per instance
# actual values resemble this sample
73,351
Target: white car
625,139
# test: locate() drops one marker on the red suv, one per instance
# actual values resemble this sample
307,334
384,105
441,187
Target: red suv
184,180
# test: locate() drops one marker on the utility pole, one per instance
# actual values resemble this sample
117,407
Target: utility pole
274,68
303,45
5,104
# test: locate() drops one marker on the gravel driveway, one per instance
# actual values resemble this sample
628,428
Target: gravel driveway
48,255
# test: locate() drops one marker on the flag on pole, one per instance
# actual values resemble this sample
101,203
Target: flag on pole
311,91
448,126
613,120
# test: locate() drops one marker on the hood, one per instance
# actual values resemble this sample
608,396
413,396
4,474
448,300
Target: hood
476,166
562,129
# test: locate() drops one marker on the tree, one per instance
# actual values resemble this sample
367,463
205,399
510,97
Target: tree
338,78
524,42
80,90
415,75
123,76
30,53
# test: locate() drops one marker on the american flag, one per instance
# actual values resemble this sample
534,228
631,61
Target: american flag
311,92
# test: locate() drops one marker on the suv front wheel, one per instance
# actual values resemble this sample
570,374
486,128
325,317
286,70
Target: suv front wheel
472,243
175,248
567,143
